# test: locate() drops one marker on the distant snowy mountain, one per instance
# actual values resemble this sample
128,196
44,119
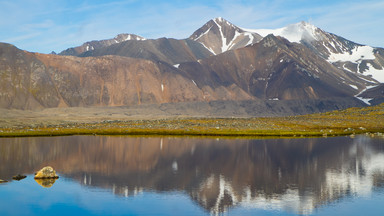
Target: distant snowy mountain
294,32
219,35
342,53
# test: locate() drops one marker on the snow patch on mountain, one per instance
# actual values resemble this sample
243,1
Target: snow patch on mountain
232,42
223,21
203,34
365,100
208,48
294,32
354,86
194,82
224,46
89,47
126,37
250,36
358,54
220,22
375,73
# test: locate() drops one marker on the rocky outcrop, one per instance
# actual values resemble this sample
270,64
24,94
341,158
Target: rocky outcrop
46,173
24,83
19,177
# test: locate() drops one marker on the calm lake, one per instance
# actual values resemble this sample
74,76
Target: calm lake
120,175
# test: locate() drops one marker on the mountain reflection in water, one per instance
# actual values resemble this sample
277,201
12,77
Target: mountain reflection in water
293,175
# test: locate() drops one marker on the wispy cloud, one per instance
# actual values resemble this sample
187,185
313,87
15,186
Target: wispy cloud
22,37
45,24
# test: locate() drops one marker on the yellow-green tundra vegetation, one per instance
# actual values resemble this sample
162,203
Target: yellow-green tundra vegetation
368,120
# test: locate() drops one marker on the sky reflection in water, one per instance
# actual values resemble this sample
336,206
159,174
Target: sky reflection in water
194,176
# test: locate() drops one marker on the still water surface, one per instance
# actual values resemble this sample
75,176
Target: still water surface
109,175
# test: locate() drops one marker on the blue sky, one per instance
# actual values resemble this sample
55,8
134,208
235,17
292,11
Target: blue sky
54,25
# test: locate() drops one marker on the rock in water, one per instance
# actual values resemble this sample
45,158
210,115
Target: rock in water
2,181
46,173
19,177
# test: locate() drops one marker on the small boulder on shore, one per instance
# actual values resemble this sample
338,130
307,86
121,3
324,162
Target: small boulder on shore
46,173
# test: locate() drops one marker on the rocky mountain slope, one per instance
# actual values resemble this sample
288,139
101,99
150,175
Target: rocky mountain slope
167,50
33,80
275,69
219,35
344,54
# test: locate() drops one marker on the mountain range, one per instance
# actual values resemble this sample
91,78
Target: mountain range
218,62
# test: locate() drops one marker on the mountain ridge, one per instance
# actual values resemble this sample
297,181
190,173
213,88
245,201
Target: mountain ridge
92,45
168,50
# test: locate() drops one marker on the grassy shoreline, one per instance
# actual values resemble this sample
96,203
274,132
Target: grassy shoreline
368,120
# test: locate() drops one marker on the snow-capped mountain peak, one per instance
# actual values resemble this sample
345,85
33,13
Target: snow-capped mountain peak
219,35
294,32
219,19
223,22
